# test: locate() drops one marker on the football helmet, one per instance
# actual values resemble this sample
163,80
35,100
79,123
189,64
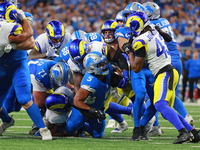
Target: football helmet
55,33
59,74
131,8
8,11
96,63
79,34
109,25
137,22
12,1
152,10
78,49
120,17
94,36
61,100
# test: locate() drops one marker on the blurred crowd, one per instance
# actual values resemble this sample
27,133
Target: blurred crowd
88,15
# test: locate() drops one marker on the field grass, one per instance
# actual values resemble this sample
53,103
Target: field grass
17,138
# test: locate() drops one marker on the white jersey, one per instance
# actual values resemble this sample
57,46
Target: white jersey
157,54
42,45
93,46
7,29
57,117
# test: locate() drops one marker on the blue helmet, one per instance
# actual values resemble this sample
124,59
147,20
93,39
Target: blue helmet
78,49
120,17
94,36
12,1
109,25
8,11
132,7
152,10
137,22
55,31
96,63
61,100
59,74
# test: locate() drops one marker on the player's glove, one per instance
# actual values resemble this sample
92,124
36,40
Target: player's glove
9,47
98,114
124,81
20,15
127,48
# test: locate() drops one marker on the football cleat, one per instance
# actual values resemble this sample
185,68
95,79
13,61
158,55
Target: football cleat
183,137
189,120
155,131
143,134
111,124
136,134
149,125
123,126
196,136
45,133
5,125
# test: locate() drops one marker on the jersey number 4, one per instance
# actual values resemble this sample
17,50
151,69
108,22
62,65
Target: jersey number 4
161,48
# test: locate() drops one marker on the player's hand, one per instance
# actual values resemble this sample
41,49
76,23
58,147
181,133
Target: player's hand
98,114
127,48
21,15
125,80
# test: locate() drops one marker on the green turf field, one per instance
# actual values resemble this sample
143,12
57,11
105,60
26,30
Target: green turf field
17,137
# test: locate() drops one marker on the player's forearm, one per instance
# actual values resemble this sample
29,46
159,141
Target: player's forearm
26,45
121,42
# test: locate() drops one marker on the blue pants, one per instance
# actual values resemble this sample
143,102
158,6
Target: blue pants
142,83
18,76
77,120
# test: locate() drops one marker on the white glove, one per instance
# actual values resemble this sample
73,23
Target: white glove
9,47
21,15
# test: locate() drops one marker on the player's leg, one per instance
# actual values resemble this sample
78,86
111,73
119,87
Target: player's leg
22,86
75,122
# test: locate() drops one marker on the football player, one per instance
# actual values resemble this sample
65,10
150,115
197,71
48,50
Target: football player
149,45
14,67
153,12
49,44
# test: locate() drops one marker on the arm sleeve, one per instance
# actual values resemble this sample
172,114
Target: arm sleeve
165,35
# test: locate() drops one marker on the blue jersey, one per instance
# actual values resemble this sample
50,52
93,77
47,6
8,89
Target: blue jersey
40,69
98,90
64,53
123,32
172,46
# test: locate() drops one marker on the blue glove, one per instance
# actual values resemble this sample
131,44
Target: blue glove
124,81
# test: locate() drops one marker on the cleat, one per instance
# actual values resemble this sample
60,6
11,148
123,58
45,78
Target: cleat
5,125
33,130
183,137
149,125
155,131
45,133
123,126
189,120
196,136
143,134
111,123
136,134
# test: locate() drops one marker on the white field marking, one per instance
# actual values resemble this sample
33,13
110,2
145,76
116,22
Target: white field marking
17,113
195,146
21,127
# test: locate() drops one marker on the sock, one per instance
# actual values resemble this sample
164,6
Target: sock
179,107
35,115
169,114
187,125
156,123
148,114
4,115
115,108
117,117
